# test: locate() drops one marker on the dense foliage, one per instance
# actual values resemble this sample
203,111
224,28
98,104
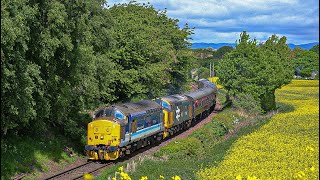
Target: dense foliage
60,59
209,56
306,62
256,70
150,52
315,49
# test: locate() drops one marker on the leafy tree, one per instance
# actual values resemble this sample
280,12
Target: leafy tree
219,54
60,59
315,49
150,51
21,85
256,71
50,52
305,62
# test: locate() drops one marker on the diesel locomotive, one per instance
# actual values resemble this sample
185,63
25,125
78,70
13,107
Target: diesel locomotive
118,130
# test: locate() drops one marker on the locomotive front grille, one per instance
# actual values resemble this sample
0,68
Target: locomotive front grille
103,139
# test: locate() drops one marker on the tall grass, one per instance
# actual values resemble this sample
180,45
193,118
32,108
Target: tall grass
32,155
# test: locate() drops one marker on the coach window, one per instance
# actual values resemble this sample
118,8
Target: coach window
119,115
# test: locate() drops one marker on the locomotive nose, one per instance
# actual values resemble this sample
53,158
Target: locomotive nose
103,139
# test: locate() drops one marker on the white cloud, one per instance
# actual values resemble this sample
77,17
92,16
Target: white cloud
223,20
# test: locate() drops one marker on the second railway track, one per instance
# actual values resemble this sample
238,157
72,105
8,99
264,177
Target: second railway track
79,171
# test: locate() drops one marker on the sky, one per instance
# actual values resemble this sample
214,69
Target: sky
222,21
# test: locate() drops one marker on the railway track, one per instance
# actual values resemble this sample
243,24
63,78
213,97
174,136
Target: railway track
79,171
93,168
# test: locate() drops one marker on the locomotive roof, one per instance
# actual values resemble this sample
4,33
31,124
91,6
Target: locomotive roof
175,98
144,105
207,83
201,93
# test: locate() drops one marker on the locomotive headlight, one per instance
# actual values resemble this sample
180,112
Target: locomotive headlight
101,137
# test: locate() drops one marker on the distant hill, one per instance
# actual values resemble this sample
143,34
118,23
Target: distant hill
303,46
212,45
219,45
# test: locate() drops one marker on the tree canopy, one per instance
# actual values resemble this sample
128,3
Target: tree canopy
256,70
60,59
305,62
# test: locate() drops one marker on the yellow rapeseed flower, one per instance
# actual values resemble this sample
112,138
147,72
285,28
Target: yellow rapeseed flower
312,169
176,178
88,176
300,175
287,143
161,177
144,178
252,178
124,176
239,177
309,149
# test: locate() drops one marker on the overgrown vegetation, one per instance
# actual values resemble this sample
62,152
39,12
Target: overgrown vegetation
34,154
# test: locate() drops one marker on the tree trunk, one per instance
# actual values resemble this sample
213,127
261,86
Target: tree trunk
268,101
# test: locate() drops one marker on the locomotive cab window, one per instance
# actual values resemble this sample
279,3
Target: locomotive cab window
99,114
108,112
119,115
165,105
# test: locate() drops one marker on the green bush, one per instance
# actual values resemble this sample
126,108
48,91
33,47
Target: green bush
182,149
247,103
306,72
211,131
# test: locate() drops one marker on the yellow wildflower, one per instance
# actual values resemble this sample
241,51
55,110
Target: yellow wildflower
300,175
87,176
124,176
312,169
144,178
176,178
252,178
120,169
309,149
161,177
239,177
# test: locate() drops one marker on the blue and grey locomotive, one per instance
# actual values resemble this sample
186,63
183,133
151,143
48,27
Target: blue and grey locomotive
120,129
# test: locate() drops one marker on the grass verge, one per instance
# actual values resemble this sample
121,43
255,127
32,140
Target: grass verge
206,147
33,155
